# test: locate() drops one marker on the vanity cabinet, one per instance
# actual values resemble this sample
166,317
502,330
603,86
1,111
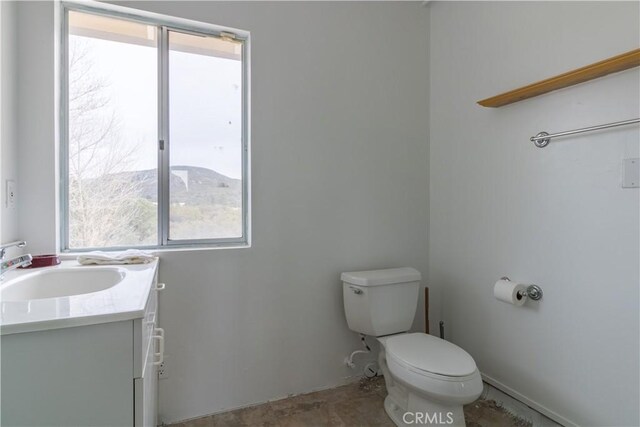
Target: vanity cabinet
103,374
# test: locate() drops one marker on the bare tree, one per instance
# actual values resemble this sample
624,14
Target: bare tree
105,203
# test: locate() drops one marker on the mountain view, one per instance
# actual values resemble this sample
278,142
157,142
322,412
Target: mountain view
203,203
189,185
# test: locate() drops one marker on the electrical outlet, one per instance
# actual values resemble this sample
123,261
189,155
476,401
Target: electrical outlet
11,194
162,369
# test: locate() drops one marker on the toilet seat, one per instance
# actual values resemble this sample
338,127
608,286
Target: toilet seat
403,352
429,355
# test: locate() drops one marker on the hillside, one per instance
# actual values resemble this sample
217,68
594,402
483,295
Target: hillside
190,185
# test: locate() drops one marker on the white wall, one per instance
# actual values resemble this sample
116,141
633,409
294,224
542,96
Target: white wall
37,161
557,216
8,118
339,182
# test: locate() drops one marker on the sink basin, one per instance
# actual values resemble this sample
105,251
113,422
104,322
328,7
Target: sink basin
61,282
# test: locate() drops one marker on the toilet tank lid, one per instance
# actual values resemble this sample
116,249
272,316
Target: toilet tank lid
381,277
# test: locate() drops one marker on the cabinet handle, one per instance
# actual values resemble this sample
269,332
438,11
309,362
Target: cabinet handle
160,286
160,353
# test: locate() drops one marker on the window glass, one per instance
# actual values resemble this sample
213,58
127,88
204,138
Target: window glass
112,132
205,117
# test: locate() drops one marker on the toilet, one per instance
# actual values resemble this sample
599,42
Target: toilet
428,379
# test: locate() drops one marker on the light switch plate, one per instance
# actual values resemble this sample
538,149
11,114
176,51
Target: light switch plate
11,194
631,173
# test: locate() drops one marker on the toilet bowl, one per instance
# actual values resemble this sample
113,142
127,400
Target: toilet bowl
428,379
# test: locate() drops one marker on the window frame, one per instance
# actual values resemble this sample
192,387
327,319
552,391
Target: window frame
164,24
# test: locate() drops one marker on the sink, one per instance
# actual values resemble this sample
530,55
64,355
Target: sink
70,295
61,282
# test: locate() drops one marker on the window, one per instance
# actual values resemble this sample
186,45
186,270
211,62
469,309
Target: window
154,140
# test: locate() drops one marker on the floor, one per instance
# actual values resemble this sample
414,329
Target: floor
357,404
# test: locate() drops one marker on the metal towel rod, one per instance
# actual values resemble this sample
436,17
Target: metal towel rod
542,139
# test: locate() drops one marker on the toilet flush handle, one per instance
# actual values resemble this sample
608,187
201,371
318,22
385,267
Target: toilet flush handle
356,291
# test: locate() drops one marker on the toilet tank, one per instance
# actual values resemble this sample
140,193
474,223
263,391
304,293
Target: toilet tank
380,302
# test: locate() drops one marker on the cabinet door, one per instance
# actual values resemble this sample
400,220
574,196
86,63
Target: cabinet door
68,377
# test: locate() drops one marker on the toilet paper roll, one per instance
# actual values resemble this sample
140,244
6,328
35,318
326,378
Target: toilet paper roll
507,291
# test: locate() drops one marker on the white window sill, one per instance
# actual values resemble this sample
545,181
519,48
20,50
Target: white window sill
157,251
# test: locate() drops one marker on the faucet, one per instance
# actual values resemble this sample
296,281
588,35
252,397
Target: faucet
12,264
18,244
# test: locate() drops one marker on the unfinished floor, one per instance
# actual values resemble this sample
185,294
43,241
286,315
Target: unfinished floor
358,404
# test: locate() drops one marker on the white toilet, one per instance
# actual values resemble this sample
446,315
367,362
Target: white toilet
428,379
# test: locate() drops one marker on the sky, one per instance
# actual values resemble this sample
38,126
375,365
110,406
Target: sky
204,98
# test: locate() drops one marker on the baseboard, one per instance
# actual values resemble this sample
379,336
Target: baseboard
529,402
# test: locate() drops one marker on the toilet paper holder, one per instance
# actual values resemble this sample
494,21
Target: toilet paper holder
533,292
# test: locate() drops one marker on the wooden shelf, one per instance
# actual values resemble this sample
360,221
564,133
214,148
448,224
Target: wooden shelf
612,65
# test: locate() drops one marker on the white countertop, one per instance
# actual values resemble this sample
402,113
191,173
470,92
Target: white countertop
124,301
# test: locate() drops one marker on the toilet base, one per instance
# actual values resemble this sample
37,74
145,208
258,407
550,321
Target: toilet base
394,411
422,412
406,408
